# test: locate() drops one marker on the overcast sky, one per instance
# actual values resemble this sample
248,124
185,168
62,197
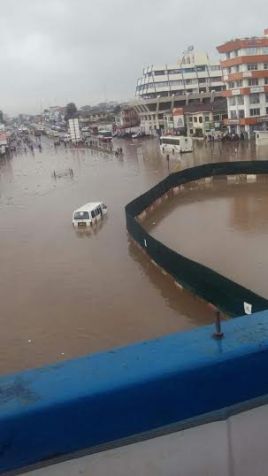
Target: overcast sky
86,51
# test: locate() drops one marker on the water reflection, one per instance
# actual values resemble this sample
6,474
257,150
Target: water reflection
178,300
223,226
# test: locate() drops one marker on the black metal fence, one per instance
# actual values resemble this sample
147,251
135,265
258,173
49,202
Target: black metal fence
222,292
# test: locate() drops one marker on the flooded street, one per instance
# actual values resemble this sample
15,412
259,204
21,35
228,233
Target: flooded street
65,294
224,227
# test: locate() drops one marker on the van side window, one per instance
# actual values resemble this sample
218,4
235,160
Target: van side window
93,213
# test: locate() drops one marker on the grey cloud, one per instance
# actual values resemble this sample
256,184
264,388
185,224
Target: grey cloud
85,50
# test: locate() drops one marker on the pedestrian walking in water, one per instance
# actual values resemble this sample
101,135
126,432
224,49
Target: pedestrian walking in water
168,161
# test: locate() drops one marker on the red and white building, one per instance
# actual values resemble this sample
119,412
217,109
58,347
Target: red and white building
245,73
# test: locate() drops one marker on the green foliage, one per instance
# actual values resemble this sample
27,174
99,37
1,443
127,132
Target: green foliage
70,111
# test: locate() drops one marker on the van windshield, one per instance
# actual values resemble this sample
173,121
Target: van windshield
81,216
171,141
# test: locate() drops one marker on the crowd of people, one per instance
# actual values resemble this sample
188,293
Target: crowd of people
24,143
226,137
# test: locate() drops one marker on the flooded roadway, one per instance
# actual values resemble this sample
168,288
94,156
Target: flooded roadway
65,294
224,227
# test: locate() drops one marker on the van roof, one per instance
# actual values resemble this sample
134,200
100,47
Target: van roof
88,207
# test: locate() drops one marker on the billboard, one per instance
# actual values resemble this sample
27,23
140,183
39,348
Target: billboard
74,130
178,118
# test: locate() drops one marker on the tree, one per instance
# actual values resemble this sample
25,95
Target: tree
70,111
1,117
117,109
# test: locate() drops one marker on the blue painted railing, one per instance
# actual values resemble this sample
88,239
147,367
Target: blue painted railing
106,397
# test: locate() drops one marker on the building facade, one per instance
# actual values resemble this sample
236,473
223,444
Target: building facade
245,73
127,118
194,73
205,120
193,80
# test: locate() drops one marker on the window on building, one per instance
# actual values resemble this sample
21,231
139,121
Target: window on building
265,80
267,110
265,65
233,114
254,98
232,101
251,51
252,67
178,82
241,113
228,54
202,80
195,119
231,84
239,83
206,118
240,100
254,112
162,84
253,82
266,97
190,119
200,119
159,73
174,71
265,50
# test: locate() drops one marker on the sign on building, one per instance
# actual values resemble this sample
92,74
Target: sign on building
74,130
257,89
178,118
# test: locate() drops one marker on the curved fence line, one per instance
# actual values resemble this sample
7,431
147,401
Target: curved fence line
225,294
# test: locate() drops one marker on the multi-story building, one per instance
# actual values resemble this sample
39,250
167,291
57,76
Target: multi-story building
127,118
245,73
194,74
206,119
194,79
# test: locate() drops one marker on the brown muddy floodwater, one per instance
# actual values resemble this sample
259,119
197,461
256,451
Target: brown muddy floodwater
65,294
224,226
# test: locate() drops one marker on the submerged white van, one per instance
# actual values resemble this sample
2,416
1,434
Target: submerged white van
89,214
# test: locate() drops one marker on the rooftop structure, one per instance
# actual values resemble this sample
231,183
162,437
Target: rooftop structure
194,73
